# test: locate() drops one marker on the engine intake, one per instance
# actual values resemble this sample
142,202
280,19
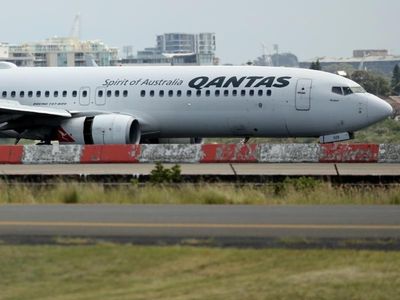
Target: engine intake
101,129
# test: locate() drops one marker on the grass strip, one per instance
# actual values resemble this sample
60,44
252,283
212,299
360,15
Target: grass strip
293,191
108,271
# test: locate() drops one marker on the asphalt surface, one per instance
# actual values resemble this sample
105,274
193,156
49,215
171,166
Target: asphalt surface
298,169
232,225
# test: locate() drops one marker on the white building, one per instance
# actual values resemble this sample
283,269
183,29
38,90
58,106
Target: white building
59,52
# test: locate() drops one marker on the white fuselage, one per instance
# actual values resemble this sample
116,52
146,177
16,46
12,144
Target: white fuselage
175,102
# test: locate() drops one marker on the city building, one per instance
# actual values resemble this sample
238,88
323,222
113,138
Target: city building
370,59
177,49
58,52
277,60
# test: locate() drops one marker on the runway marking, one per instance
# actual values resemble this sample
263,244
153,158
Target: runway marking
200,226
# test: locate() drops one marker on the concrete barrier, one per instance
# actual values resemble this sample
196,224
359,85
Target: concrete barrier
53,154
389,153
238,153
349,153
288,153
170,153
110,154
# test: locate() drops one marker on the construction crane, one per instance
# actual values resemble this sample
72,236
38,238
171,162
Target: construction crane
76,27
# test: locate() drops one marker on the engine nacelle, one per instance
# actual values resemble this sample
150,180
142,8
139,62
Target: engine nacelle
101,129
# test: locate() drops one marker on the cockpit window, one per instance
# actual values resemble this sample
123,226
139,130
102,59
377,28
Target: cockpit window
347,91
358,89
337,90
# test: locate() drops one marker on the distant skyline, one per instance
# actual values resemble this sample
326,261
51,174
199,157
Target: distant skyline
307,28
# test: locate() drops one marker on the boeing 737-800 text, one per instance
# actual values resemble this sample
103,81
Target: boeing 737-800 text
128,105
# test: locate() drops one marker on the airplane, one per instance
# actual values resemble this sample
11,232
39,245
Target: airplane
180,104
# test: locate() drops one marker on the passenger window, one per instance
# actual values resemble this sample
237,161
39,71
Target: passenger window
337,90
47,94
243,93
269,93
152,93
100,94
117,93
217,93
189,93
84,94
260,93
161,93
22,94
13,93
38,94
251,93
109,94
170,93
74,94
179,93
347,91
226,93
30,94
234,93
125,93
208,93
65,94
143,94
4,94
55,94
198,93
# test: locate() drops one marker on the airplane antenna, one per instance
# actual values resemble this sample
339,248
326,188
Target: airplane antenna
76,27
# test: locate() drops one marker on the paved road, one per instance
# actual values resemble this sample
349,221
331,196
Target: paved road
155,223
208,169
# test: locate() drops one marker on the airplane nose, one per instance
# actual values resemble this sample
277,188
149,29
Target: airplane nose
378,109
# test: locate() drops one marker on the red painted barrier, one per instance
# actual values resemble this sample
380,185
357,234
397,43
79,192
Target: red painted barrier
349,153
11,154
229,153
89,154
110,154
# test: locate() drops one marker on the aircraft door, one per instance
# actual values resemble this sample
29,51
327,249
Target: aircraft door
303,94
100,97
84,96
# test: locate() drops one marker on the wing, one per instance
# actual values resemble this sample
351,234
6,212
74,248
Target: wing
17,120
10,108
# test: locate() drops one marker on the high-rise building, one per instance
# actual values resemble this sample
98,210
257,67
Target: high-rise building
178,49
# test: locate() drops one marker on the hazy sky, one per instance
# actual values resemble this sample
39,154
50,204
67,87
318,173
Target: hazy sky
307,28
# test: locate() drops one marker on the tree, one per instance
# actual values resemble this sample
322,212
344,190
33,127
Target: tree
395,84
315,65
373,83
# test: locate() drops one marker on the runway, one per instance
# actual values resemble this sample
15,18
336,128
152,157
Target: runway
240,225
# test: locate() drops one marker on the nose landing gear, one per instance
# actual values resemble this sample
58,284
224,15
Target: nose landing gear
338,137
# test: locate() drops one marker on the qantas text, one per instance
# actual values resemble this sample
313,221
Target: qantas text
248,82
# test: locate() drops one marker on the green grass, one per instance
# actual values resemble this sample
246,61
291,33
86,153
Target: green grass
291,191
130,272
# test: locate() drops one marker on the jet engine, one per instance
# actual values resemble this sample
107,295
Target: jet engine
100,129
